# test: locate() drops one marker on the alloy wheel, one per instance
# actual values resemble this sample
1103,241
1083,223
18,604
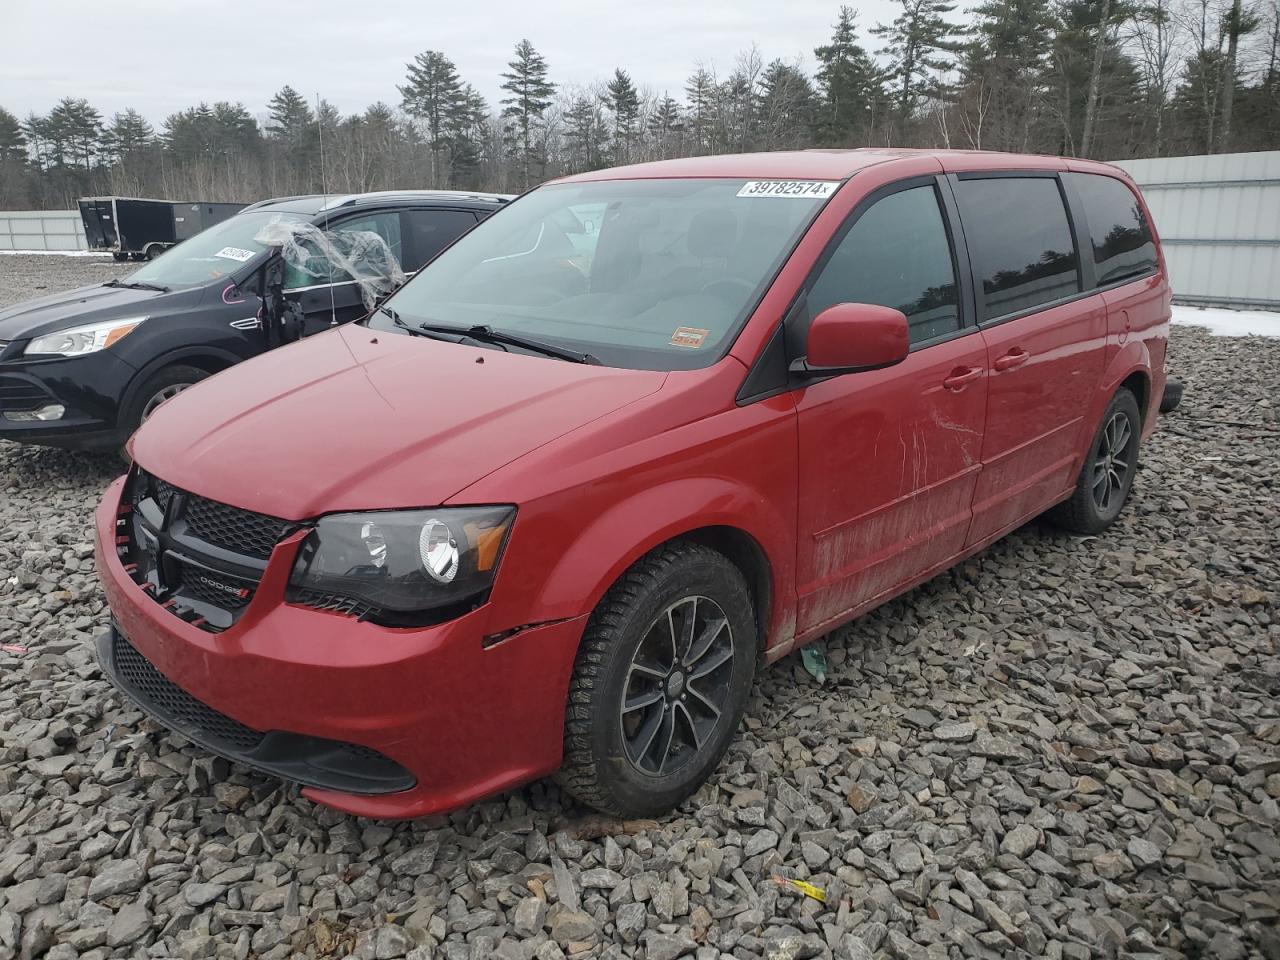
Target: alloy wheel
160,396
1112,462
677,686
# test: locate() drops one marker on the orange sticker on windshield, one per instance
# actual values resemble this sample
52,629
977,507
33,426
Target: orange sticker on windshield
689,337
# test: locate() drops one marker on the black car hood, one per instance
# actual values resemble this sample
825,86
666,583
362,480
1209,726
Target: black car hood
71,308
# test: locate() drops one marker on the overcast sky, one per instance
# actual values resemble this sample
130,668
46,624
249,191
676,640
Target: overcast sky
159,56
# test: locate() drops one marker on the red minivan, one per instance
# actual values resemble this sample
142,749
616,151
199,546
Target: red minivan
629,438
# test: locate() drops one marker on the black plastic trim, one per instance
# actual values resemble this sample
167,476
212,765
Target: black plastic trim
301,758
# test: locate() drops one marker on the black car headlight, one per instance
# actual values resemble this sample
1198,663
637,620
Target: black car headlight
402,567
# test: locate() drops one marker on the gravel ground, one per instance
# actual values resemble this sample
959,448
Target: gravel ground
1066,747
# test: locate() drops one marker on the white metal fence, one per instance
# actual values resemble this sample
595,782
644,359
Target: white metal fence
60,230
1219,220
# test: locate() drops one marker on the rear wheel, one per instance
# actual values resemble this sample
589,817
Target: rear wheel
1107,475
660,682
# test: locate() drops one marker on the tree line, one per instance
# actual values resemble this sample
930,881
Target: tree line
1108,79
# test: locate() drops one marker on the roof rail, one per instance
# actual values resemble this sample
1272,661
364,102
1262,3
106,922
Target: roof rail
354,198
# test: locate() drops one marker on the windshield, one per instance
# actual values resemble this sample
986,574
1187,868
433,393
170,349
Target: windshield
646,274
213,253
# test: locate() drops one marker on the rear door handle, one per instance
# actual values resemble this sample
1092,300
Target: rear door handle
960,376
1014,358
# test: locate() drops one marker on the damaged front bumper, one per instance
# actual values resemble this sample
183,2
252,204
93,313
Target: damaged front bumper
342,706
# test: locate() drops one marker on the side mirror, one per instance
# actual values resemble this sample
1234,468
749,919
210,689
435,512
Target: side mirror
849,337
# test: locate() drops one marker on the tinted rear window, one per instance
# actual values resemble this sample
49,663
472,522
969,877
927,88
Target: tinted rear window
1123,247
1020,239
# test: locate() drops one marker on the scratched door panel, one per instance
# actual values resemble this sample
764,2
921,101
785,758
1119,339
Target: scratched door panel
889,461
1035,411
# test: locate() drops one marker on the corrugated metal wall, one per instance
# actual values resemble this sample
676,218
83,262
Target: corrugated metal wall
42,230
1219,220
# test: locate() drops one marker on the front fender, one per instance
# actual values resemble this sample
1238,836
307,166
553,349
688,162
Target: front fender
623,533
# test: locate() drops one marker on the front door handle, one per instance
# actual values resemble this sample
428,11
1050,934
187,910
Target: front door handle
1014,358
961,376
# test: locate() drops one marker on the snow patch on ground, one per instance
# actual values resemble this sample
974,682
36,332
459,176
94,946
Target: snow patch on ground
1229,323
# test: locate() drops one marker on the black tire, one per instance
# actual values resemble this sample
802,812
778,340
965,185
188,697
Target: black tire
599,768
119,256
1107,475
1172,396
154,390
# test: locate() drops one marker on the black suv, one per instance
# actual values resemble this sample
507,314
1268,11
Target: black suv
81,369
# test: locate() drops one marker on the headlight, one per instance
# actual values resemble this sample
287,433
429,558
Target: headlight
78,341
402,567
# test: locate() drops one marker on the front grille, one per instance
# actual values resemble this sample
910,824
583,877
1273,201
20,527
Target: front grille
209,587
19,394
171,536
162,491
161,695
253,534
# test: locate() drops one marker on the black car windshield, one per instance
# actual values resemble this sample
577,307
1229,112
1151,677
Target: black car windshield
211,254
645,274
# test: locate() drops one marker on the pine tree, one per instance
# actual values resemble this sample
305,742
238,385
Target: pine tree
623,101
434,95
1003,91
530,96
291,118
586,132
76,130
13,143
666,127
468,129
128,134
920,44
850,84
788,107
701,91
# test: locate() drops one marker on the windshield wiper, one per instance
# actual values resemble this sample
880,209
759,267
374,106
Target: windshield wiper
395,317
136,285
486,334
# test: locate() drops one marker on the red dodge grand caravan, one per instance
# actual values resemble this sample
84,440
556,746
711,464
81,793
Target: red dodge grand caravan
632,436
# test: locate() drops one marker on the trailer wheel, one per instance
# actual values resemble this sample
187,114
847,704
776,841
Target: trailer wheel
119,255
153,250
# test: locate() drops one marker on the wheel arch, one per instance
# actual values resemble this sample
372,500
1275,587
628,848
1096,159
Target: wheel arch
209,359
740,523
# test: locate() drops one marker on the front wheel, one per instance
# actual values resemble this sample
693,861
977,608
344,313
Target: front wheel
160,386
1107,475
660,682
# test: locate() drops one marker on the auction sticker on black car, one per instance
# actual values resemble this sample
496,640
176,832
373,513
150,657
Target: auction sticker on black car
801,189
238,254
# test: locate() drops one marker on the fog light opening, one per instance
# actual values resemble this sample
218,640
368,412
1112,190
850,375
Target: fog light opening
52,411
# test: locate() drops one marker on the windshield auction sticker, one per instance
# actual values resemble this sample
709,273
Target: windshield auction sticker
235,253
689,337
796,189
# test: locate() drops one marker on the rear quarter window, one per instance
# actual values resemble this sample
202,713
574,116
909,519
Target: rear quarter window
1123,247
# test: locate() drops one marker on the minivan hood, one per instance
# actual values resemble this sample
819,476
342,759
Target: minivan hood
355,419
71,308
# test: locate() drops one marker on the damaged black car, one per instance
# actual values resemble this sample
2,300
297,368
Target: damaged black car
82,369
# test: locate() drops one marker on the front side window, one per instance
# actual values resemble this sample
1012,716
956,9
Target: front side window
896,254
1123,247
317,268
1020,239
648,274
214,253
